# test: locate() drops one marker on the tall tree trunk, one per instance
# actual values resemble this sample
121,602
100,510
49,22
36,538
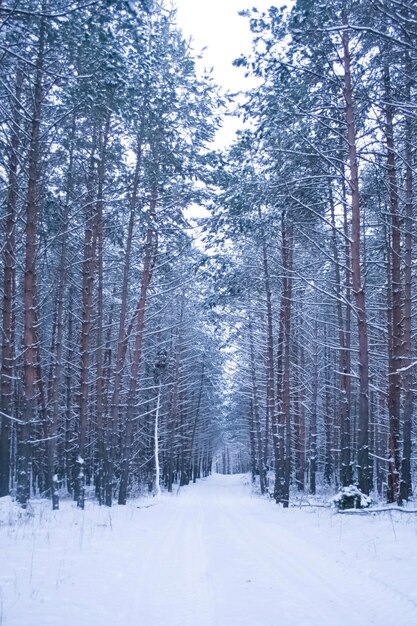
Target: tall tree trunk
58,335
69,401
299,410
30,349
122,335
193,453
287,251
346,477
255,406
328,417
149,256
395,353
252,447
157,489
364,469
9,293
405,483
100,391
283,428
279,423
313,416
86,324
270,367
175,419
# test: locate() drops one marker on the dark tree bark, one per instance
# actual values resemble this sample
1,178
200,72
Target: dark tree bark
395,312
192,452
251,430
90,237
346,477
30,349
313,416
299,410
255,408
406,482
270,366
364,467
288,252
328,416
122,335
9,294
283,429
99,383
58,335
149,257
70,436
175,413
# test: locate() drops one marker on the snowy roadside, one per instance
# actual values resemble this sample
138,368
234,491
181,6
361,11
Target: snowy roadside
54,562
381,546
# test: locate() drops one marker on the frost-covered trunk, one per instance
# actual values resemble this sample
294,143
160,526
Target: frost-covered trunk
299,410
328,416
30,347
283,453
99,383
364,468
69,437
287,253
149,257
313,414
193,453
406,482
90,236
395,300
9,294
122,334
346,477
56,369
157,489
257,433
271,418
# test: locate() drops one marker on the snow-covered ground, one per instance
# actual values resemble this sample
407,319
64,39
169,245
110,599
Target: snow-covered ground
210,555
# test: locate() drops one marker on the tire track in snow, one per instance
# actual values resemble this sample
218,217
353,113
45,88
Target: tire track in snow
173,588
298,588
331,589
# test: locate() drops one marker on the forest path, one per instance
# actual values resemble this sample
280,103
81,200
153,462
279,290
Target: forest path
209,555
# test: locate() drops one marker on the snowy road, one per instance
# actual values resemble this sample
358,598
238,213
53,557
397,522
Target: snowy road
210,556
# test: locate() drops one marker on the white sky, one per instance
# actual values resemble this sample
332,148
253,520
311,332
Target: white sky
215,24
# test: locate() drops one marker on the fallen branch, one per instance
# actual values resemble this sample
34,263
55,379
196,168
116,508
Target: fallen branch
146,506
309,505
386,509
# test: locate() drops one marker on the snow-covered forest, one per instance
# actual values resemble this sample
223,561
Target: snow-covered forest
173,312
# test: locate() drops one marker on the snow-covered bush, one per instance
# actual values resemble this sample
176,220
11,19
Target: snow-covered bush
11,512
350,498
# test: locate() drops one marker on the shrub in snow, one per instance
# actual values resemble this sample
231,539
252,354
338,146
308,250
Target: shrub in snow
350,498
11,512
